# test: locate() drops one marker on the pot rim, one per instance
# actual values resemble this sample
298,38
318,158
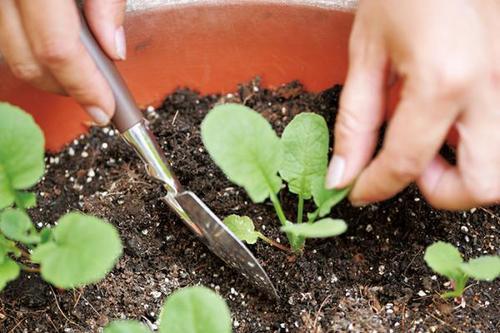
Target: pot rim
342,5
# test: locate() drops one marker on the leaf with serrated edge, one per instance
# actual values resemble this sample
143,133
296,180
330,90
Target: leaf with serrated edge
195,310
82,250
21,152
305,152
9,270
326,199
243,144
444,259
321,229
16,225
126,326
242,227
484,268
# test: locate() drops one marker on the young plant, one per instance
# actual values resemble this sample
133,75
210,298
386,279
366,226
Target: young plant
445,259
189,310
244,145
78,251
244,228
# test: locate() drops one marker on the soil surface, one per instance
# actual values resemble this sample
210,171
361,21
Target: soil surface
371,279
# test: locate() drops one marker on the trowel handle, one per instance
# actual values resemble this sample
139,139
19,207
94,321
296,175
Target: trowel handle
127,114
128,118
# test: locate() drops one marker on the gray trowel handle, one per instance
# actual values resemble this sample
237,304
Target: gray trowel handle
128,118
127,114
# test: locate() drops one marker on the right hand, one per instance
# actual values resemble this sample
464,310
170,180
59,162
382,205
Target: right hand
40,42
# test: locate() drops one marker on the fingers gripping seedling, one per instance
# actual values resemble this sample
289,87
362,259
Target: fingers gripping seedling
78,251
445,259
244,145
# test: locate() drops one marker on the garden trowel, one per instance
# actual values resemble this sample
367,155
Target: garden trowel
194,213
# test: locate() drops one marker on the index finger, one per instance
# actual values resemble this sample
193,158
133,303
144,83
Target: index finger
53,28
413,138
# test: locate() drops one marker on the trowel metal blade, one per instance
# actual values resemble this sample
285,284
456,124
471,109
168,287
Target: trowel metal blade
220,240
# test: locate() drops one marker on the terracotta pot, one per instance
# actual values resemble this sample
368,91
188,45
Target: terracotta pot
210,46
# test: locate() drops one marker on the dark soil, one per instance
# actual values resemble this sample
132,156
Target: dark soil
371,279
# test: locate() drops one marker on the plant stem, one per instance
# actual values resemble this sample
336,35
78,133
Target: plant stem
24,254
298,244
300,209
459,286
274,243
281,216
30,269
277,208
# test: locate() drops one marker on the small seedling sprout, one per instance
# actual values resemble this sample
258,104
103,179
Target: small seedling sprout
244,228
189,310
445,259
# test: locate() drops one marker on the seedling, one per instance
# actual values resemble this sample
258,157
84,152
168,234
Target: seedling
445,259
79,250
244,145
244,228
189,310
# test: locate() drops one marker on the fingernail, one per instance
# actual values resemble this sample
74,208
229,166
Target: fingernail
335,171
98,115
120,43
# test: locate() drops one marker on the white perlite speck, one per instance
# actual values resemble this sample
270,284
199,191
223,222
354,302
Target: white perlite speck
156,294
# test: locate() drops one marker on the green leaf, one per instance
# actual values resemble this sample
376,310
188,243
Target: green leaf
243,144
83,249
16,225
321,229
25,200
9,270
485,268
444,259
326,199
195,310
242,227
305,152
126,326
21,152
7,194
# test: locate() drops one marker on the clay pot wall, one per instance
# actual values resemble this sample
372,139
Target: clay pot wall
210,46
